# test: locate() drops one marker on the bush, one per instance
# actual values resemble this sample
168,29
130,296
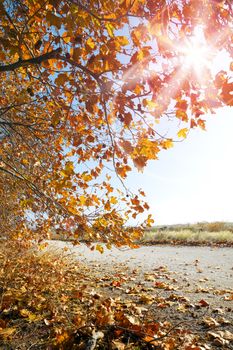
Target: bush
215,226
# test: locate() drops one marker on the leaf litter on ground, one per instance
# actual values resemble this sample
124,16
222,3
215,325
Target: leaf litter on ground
48,301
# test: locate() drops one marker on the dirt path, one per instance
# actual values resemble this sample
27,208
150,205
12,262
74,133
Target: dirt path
190,289
149,298
199,272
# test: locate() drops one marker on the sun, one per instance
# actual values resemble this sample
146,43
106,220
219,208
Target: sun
195,53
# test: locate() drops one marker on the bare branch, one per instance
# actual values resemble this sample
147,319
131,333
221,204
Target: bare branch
31,61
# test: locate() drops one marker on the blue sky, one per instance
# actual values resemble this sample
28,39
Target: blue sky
194,180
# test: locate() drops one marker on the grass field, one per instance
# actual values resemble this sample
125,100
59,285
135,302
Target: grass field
200,233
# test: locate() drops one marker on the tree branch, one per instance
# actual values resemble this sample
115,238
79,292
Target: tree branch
80,66
55,54
30,61
102,19
10,173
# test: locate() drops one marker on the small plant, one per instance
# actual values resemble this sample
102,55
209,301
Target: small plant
215,226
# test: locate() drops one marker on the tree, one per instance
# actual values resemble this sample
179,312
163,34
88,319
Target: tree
83,88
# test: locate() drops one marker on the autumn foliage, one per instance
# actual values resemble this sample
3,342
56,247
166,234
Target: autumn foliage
86,90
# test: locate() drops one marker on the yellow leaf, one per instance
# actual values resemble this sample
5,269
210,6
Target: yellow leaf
23,289
137,90
182,133
149,220
150,104
24,312
61,338
42,246
113,200
82,200
30,315
86,177
91,43
122,40
147,149
110,29
99,248
167,143
68,170
6,332
140,55
146,299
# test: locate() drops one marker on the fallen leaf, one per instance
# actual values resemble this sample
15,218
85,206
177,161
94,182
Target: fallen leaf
149,277
7,332
223,320
229,297
146,299
203,303
182,308
118,345
210,322
226,335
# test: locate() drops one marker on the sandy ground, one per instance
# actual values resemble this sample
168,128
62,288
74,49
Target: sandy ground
186,286
204,270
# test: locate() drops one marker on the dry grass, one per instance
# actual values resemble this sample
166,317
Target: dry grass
187,236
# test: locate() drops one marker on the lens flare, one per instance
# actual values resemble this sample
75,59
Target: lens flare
196,55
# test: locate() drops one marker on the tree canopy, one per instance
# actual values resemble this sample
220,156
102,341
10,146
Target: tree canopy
87,89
